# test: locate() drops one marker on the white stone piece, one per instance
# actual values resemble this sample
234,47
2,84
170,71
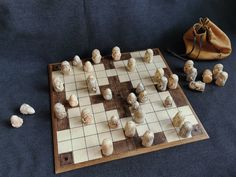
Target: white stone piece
188,65
26,109
107,94
16,121
207,76
197,85
221,78
113,122
134,106
173,81
107,147
159,74
148,138
162,84
178,119
88,67
130,129
60,111
96,56
143,97
148,56
131,64
77,61
186,130
140,87
73,101
168,101
218,68
66,67
191,74
86,116
92,84
139,115
57,84
116,54
131,98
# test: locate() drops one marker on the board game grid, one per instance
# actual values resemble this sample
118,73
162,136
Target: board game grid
77,145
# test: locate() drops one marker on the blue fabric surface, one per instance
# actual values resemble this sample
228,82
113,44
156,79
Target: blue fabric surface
36,33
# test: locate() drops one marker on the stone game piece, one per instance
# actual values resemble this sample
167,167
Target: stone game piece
60,111
168,101
173,81
162,84
148,138
107,147
107,94
66,67
77,61
73,101
57,84
16,121
140,87
86,116
148,56
131,98
96,56
217,69
113,122
88,67
186,130
178,119
116,54
92,84
221,78
159,74
197,85
139,115
131,65
134,106
130,129
143,97
26,109
207,76
188,65
191,74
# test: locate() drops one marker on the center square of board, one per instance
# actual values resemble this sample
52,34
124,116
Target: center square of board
77,145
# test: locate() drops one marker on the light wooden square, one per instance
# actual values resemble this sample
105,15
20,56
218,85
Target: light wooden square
80,156
154,97
98,108
64,146
68,94
162,115
112,113
124,120
94,153
154,127
133,75
102,136
101,74
186,110
78,143
172,112
147,107
103,81
77,132
100,117
141,129
102,127
75,122
135,55
124,78
63,135
84,101
74,112
69,78
80,77
166,124
171,135
89,130
151,117
158,106
99,67
81,85
117,135
70,87
147,82
111,72
82,93
91,140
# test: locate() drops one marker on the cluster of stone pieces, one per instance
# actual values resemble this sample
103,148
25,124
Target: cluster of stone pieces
208,76
25,109
185,127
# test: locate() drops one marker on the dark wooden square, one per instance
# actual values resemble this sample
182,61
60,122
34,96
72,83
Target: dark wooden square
66,159
120,146
178,96
159,138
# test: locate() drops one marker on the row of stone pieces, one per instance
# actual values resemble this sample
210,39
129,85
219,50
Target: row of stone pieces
217,74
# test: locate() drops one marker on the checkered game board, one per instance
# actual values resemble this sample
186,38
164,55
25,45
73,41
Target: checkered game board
77,145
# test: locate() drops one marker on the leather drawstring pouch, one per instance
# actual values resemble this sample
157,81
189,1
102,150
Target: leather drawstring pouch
205,41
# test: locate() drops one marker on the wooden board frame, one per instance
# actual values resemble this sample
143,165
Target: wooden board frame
60,169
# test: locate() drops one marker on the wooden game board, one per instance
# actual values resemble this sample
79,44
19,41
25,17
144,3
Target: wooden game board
77,145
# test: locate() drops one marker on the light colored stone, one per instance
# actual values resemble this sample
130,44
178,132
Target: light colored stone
131,98
191,74
134,106
107,94
197,85
143,97
66,67
107,147
16,121
218,68
221,78
131,64
92,84
116,54
173,81
148,56
162,84
77,61
139,115
88,67
186,130
60,111
73,101
178,119
26,109
140,87
159,74
57,84
188,65
148,138
207,76
130,129
86,116
113,122
168,101
96,56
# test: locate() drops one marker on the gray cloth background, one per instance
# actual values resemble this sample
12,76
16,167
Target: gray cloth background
34,33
